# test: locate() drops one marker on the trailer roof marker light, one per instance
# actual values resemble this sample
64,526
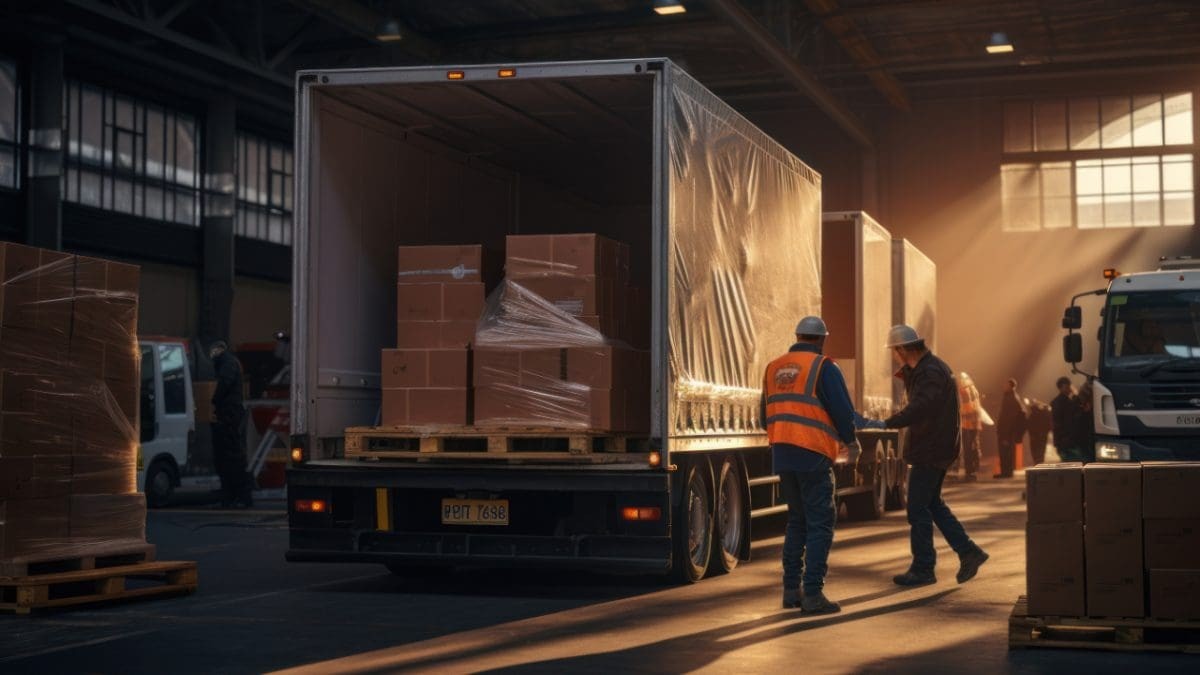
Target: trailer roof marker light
456,75
298,455
655,459
666,7
999,44
507,72
635,513
1111,273
311,506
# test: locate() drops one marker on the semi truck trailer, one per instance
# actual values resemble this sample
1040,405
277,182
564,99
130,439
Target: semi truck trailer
724,225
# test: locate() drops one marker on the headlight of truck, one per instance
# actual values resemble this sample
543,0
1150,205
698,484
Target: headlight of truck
1112,452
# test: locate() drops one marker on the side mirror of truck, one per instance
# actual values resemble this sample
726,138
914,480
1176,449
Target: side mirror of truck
1073,348
1073,318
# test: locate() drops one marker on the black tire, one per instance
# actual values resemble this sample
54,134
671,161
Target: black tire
729,518
870,505
692,525
160,484
417,571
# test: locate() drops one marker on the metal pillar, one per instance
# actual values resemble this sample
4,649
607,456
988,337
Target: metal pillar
43,219
217,266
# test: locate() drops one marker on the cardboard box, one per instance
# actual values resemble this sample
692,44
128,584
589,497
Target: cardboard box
529,368
37,477
33,527
608,367
113,472
100,519
1112,492
577,296
25,350
394,407
577,255
442,264
1114,568
106,300
441,368
18,290
419,302
1054,493
1175,594
1169,489
1172,543
30,435
1054,569
463,302
435,334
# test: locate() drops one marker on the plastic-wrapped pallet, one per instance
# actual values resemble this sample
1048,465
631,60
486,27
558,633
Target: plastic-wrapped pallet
69,378
535,365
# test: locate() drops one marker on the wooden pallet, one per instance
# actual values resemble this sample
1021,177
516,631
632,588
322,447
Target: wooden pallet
96,557
22,595
1109,634
492,443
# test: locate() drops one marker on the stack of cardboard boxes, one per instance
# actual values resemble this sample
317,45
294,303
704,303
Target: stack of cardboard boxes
1099,537
588,383
439,298
535,377
69,366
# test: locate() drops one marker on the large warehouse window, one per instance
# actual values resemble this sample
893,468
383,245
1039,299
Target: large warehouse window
264,193
131,156
1118,161
10,106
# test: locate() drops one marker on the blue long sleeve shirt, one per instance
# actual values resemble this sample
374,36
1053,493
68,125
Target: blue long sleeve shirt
835,398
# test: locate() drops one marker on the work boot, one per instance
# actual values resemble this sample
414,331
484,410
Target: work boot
915,578
817,603
792,598
969,564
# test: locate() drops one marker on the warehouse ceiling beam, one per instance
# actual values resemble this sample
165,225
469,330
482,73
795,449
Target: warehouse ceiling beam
291,44
361,20
153,29
860,50
174,12
769,48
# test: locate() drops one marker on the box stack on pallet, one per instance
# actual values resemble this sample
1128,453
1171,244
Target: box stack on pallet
1112,548
551,348
69,363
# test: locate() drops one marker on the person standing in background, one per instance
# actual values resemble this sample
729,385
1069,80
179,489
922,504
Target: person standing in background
229,430
1040,422
1064,413
970,415
1010,428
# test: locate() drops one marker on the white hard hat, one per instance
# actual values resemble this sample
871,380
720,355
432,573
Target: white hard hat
811,325
902,335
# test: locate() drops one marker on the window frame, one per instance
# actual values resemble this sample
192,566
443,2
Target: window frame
262,207
14,146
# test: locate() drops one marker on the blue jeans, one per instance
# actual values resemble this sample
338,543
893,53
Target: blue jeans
926,509
809,534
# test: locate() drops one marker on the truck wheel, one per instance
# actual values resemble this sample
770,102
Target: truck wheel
870,505
691,528
160,484
729,518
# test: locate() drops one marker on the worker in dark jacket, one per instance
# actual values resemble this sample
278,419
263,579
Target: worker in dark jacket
933,444
1040,422
1064,414
228,429
807,411
1010,428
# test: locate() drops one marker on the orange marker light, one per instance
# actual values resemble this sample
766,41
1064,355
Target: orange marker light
297,455
655,459
507,72
311,505
456,75
1111,273
641,513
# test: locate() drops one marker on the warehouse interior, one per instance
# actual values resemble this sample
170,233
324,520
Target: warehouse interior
1024,146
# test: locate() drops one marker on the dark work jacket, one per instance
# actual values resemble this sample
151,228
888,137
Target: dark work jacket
1013,419
1066,411
227,397
931,414
1040,418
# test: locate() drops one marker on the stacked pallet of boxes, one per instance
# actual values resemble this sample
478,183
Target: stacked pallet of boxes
1114,540
69,366
554,346
1171,517
439,298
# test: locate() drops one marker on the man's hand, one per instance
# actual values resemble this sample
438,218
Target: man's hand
874,424
853,451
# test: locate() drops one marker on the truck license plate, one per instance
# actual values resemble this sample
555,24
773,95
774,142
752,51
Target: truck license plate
475,512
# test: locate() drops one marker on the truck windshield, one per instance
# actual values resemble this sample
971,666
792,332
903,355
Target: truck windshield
1152,326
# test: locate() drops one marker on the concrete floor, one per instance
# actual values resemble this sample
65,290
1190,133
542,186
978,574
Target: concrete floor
256,613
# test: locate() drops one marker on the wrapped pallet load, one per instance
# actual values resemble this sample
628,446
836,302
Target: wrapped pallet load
69,378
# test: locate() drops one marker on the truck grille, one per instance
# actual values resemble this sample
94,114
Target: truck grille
1175,395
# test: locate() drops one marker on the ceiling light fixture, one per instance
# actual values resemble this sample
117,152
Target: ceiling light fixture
388,31
665,7
999,44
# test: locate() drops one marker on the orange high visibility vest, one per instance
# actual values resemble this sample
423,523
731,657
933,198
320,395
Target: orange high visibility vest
794,413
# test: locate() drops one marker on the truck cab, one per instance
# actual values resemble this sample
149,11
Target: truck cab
1146,390
168,418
